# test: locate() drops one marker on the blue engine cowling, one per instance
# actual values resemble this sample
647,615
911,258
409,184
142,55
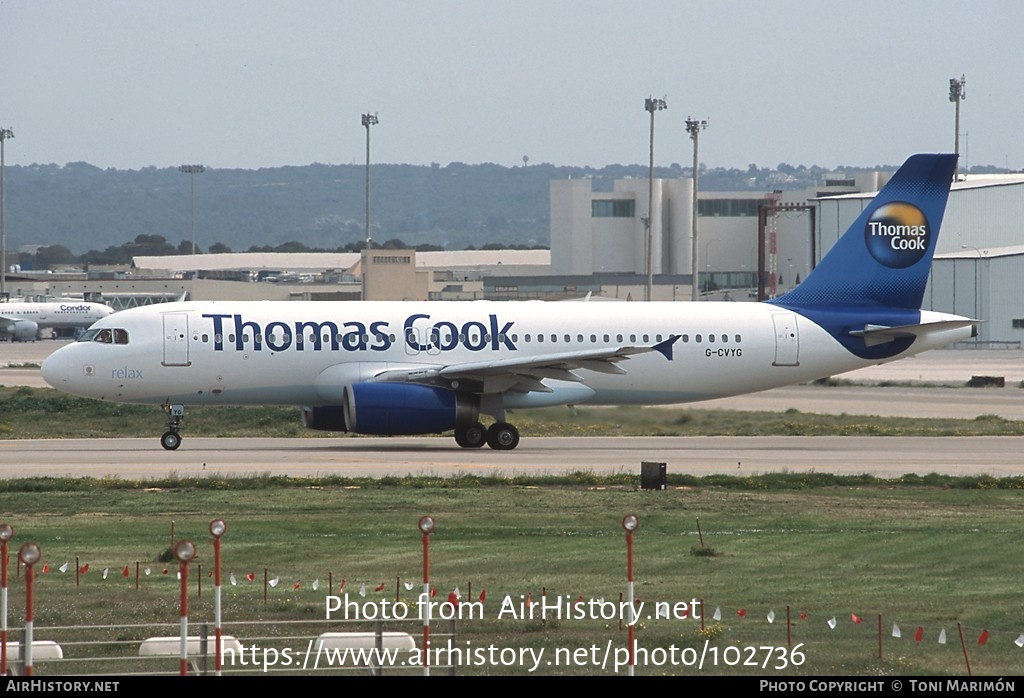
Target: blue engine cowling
395,409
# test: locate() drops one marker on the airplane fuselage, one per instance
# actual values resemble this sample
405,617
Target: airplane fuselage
394,368
306,353
23,320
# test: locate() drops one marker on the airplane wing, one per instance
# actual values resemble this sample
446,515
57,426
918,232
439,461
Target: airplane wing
527,374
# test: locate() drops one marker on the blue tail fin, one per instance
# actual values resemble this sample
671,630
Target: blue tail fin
883,259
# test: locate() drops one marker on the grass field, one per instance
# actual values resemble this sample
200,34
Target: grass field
789,561
939,556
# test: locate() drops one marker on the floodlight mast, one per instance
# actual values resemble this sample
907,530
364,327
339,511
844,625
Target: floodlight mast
193,170
694,127
5,133
651,105
957,94
368,120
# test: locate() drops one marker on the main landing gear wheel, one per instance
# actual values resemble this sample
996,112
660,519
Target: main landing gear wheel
473,436
502,436
170,440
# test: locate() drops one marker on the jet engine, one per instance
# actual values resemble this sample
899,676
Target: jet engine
394,409
22,331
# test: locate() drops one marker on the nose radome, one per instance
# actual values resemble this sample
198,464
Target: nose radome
54,369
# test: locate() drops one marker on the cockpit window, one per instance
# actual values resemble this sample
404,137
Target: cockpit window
105,336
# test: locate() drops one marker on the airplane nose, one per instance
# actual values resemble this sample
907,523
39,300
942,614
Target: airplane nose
55,369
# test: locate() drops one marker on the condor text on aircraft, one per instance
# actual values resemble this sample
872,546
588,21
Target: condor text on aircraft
22,321
402,368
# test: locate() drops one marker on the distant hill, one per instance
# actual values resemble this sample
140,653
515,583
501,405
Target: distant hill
455,206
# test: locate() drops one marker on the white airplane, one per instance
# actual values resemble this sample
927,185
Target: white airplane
21,321
400,368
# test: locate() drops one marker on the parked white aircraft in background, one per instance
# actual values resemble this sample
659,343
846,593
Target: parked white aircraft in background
392,368
22,321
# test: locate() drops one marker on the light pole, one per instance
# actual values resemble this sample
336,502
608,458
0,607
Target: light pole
630,524
368,121
29,555
694,127
193,170
6,533
217,529
184,553
957,94
426,526
5,133
652,105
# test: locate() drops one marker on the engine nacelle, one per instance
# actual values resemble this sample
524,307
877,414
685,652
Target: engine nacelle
394,409
23,331
324,418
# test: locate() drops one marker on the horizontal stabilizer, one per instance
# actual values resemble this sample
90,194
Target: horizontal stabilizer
874,335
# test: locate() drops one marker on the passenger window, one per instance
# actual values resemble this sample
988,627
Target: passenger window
686,338
697,338
711,338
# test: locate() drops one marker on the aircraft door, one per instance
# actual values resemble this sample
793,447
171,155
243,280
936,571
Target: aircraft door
175,339
787,340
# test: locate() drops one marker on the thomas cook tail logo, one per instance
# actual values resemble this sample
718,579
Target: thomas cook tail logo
897,235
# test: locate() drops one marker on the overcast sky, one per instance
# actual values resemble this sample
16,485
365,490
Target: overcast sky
253,83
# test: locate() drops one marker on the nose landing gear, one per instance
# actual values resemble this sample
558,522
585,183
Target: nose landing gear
172,438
